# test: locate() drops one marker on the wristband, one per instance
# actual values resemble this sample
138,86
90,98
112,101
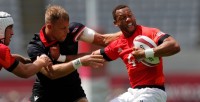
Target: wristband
76,63
61,58
149,53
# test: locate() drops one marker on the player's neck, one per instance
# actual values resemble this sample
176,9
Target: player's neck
127,34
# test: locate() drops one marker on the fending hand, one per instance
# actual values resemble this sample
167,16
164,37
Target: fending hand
95,61
44,59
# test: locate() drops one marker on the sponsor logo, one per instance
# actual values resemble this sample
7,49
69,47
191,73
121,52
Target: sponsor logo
160,33
75,29
36,98
119,50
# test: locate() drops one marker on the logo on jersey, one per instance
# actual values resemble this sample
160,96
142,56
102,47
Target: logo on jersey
36,98
119,50
160,33
75,29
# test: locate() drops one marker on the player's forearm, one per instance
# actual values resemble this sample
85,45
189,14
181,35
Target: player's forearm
99,40
108,38
26,70
72,57
63,69
59,70
105,39
21,58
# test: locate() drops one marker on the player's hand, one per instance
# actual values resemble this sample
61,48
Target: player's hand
44,59
92,60
54,52
138,53
97,52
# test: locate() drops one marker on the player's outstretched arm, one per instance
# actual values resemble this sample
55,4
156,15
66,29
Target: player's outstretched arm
28,70
22,59
63,69
90,36
105,39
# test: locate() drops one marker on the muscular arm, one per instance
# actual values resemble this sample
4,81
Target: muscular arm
90,36
28,70
58,70
167,48
105,39
72,57
63,69
21,58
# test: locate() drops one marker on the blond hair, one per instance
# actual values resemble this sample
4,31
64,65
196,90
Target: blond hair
54,13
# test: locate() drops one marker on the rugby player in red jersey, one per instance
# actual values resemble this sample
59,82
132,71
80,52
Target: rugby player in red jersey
16,63
147,82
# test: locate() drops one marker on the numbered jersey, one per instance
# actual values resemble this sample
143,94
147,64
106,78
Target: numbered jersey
139,74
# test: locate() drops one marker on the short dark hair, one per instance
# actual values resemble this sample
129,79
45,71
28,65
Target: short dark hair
117,8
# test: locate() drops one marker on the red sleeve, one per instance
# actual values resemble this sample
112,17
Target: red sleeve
155,34
6,59
110,52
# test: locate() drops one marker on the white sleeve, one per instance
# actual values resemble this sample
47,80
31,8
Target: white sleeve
87,35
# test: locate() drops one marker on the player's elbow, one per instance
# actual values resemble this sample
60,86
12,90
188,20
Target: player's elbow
176,48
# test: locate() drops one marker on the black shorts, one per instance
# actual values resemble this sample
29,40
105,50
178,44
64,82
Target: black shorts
71,94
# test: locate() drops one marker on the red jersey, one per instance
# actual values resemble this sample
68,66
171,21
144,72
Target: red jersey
139,74
6,59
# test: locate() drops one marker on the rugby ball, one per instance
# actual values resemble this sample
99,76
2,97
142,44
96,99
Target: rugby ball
146,43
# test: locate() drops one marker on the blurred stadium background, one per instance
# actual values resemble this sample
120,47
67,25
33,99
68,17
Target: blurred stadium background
179,18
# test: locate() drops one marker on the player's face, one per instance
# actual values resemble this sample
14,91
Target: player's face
60,30
8,35
126,21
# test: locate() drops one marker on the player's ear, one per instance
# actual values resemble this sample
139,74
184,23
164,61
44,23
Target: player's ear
49,26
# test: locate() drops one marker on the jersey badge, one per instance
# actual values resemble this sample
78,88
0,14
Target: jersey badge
36,98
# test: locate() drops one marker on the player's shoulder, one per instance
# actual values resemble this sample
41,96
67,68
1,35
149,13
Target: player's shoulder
3,47
149,29
75,27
